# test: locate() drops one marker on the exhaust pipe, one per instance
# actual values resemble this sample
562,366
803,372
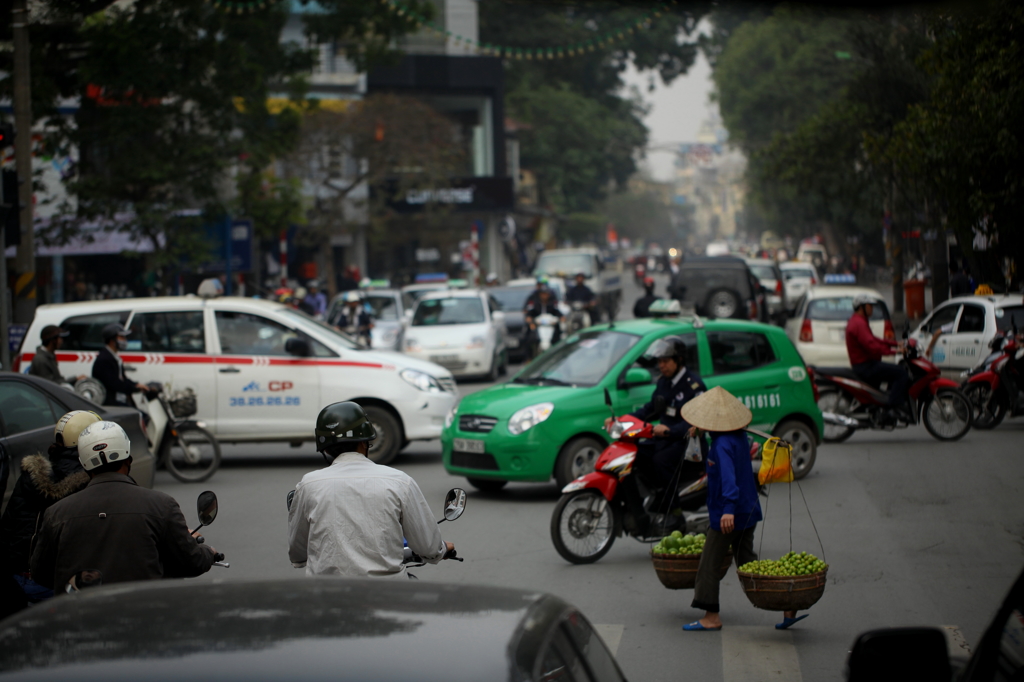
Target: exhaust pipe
839,419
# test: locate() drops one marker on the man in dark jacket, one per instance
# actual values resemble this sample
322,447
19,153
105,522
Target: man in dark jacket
44,364
43,482
108,368
114,526
642,307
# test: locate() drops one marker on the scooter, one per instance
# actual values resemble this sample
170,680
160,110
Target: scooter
579,318
994,386
593,511
206,507
848,403
546,324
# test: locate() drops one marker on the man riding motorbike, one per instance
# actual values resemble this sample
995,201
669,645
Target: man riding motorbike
115,526
44,364
353,318
534,298
545,305
350,518
866,351
658,462
108,368
581,293
642,306
44,480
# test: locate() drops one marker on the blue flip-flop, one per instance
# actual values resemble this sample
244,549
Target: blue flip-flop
696,626
787,622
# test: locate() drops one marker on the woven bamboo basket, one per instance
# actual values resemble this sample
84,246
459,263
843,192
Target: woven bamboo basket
783,593
679,571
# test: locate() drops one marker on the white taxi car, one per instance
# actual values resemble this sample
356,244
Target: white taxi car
973,321
460,329
818,329
261,371
798,278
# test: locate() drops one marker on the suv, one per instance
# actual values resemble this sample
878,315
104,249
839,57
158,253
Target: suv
548,421
719,287
261,371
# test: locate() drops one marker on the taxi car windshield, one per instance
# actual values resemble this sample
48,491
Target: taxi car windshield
437,311
580,361
308,321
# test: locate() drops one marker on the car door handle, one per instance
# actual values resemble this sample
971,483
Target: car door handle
229,370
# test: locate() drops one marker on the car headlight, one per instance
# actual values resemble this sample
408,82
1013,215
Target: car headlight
450,417
388,336
528,417
421,380
412,344
476,342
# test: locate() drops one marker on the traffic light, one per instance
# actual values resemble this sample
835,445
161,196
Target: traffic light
6,135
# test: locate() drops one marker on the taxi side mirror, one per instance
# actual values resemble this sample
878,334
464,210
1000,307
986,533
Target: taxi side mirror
297,346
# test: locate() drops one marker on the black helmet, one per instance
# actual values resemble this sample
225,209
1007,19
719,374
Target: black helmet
342,423
669,347
112,331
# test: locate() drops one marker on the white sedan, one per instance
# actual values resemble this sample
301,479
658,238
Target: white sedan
818,329
972,322
463,330
798,278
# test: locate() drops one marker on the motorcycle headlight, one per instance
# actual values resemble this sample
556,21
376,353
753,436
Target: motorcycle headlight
476,342
450,417
421,380
618,428
528,417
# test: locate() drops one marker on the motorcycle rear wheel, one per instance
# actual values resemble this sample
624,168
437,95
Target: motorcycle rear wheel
947,416
978,395
583,526
835,401
191,456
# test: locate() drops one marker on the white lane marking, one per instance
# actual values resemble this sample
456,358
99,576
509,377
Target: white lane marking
611,635
754,654
958,646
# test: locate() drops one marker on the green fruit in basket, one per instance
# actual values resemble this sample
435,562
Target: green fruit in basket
677,534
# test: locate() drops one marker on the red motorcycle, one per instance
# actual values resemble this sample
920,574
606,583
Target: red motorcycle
848,403
593,509
994,386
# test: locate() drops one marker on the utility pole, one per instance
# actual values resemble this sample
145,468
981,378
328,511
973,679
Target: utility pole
25,261
5,350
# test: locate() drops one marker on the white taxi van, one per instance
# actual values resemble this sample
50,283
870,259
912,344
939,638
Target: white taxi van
261,371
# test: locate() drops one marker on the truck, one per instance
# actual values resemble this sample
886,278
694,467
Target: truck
604,280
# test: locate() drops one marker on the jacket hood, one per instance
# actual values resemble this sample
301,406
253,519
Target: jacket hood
40,472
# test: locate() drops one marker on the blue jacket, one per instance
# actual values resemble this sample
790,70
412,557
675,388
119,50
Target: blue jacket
731,485
676,395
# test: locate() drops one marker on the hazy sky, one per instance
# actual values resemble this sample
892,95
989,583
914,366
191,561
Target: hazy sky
677,111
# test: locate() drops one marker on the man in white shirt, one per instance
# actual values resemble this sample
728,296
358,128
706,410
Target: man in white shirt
349,518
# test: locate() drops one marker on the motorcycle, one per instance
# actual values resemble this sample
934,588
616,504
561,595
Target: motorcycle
189,452
579,318
848,403
593,511
545,331
454,506
206,507
994,386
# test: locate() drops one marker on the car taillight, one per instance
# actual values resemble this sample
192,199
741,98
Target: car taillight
889,334
16,363
778,287
813,281
806,333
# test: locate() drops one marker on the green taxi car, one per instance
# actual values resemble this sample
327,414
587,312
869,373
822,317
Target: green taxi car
548,420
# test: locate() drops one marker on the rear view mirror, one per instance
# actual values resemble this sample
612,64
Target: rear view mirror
297,346
206,505
899,654
607,398
636,376
288,499
454,504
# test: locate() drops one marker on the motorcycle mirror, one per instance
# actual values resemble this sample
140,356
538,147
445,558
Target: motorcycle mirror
454,504
207,507
607,398
289,498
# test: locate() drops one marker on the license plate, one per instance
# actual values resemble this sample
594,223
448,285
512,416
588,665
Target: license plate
444,358
468,445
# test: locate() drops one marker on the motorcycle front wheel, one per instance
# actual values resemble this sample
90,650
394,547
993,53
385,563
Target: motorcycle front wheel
583,526
947,416
988,409
191,453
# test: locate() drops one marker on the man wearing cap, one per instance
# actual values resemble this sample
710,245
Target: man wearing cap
108,368
44,364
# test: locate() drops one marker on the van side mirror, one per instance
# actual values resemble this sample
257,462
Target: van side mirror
636,376
899,654
298,346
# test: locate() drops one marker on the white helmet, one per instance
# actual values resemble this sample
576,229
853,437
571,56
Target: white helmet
102,443
863,299
352,297
70,427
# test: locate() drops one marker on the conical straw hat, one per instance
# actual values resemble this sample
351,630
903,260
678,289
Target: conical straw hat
716,410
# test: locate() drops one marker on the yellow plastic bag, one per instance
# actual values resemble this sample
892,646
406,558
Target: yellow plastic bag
776,462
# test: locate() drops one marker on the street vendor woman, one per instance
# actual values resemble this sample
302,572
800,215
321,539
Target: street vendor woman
733,506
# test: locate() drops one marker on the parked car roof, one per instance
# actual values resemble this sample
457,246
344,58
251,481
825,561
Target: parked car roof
712,261
312,628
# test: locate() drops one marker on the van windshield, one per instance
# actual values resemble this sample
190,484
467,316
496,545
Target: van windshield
581,361
565,265
308,323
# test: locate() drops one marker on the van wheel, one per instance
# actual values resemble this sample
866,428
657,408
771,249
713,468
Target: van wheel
805,449
386,445
577,459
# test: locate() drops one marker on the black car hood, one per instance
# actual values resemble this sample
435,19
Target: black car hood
307,629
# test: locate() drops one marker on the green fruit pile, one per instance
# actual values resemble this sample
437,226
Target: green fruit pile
677,543
789,565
